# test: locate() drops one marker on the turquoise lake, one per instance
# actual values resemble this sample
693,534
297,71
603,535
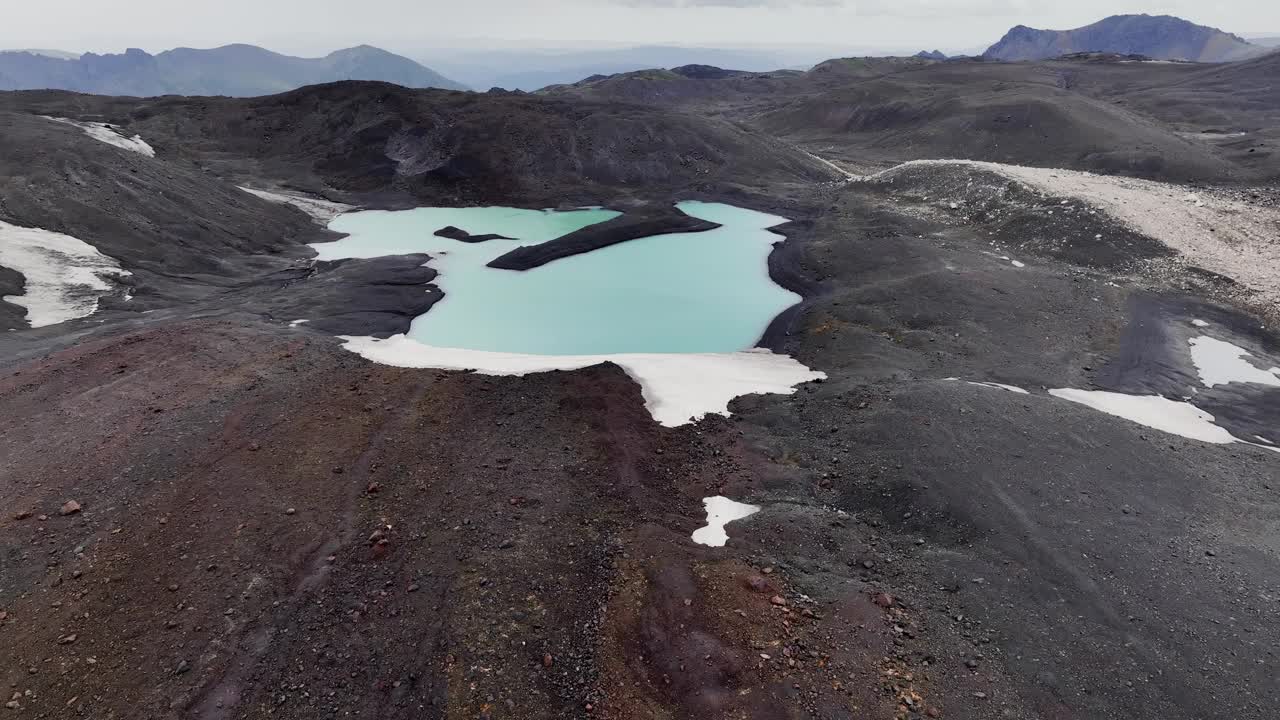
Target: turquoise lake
677,293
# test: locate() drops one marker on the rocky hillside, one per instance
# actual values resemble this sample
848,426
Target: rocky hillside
234,70
1160,37
367,138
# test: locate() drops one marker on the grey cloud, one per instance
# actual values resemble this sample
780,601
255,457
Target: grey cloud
734,3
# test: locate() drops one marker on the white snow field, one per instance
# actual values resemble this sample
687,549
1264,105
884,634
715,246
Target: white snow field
678,387
320,210
104,132
65,277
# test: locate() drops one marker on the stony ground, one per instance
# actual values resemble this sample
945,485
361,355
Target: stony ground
211,514
266,525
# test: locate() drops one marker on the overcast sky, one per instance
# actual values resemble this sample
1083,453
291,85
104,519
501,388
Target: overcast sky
410,26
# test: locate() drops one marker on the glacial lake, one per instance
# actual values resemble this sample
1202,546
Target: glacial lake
706,292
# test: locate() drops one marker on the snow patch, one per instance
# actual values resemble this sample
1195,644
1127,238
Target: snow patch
65,276
1153,411
296,323
720,512
678,388
104,132
1200,323
1000,386
848,175
321,210
1221,363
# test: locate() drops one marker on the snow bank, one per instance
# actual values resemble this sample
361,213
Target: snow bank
109,135
720,512
64,276
1000,386
1153,411
1158,413
1221,363
320,210
678,388
848,175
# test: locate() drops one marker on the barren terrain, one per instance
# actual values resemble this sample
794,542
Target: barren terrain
210,512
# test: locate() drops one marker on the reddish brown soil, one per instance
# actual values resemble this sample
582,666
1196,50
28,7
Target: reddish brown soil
271,526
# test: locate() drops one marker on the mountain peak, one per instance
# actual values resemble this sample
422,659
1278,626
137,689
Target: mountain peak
1161,37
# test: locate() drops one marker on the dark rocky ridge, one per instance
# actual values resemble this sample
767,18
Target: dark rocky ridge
632,225
455,233
394,146
1099,113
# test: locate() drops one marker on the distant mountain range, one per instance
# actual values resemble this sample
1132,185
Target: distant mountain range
1160,37
234,70
533,69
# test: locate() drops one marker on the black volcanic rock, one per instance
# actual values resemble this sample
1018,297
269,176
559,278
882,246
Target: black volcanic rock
1161,37
444,147
456,233
631,226
706,72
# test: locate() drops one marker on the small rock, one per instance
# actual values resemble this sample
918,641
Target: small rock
338,471
183,668
1210,553
373,489
254,447
756,583
548,661
778,600
12,705
291,511
1126,510
70,508
933,712
884,600
980,695
971,663
67,639
413,587
868,564
23,515
173,587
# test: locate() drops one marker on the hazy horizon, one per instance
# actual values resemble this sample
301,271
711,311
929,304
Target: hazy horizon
317,27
